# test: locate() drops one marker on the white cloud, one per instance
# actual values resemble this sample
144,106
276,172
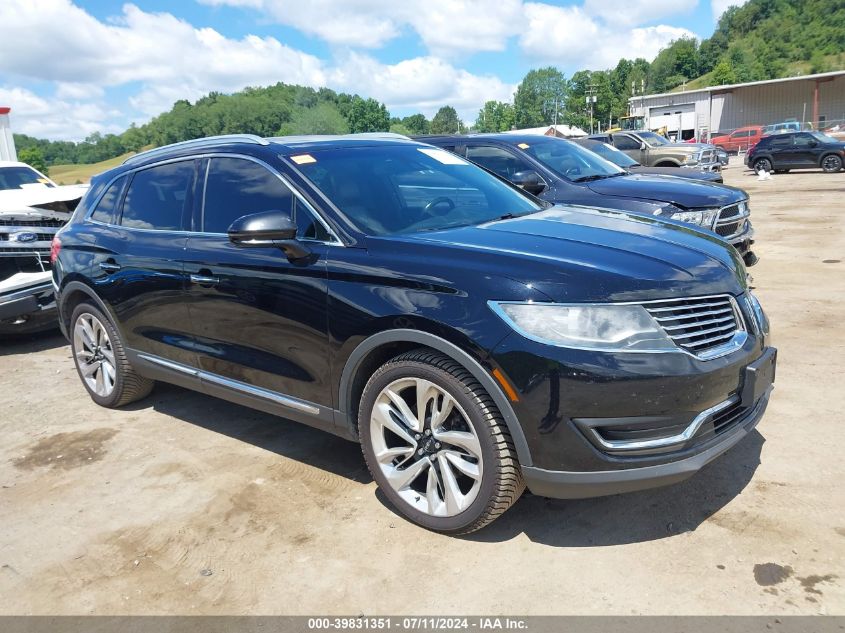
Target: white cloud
443,25
720,6
55,119
567,36
636,12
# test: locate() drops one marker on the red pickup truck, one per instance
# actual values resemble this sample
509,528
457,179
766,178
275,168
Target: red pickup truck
738,140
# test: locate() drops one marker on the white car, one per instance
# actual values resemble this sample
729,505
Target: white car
32,209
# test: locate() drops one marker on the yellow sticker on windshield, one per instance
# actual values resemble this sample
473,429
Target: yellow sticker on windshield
523,146
303,159
44,181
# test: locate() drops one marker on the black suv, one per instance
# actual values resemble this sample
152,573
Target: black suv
797,150
562,172
472,338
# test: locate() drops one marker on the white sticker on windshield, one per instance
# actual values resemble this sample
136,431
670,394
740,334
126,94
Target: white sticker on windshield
442,156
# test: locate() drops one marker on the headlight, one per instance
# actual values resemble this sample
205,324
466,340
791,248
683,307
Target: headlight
704,218
691,159
760,318
592,327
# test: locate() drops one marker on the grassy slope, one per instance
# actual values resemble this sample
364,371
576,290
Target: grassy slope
71,174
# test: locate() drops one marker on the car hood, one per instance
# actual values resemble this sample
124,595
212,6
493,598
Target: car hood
572,253
40,202
682,192
676,172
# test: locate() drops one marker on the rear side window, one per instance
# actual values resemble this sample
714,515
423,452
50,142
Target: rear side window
157,196
104,211
236,187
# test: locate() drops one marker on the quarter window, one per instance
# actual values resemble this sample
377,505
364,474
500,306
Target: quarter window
157,196
497,160
236,187
104,212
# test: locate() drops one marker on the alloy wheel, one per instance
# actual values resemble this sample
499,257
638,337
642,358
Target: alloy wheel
832,163
94,354
426,447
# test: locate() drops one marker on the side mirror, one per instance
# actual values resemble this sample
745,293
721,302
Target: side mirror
529,180
642,146
813,143
268,229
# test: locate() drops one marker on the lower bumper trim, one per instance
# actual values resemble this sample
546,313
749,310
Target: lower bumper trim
580,485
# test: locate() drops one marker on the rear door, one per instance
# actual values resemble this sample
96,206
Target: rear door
139,257
260,321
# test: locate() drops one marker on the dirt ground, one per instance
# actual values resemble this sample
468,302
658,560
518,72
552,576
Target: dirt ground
186,504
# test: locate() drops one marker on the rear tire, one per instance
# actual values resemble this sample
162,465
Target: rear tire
101,362
831,164
453,469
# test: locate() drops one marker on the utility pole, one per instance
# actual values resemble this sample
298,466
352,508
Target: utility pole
591,99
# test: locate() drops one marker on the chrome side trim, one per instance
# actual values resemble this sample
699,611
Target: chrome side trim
664,442
236,385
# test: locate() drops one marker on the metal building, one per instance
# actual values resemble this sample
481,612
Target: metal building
816,101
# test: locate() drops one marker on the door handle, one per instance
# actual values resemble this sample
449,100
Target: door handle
110,267
204,280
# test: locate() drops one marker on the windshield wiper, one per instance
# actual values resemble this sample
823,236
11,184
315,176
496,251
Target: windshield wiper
598,177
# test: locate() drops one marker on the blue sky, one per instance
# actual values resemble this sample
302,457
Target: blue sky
69,68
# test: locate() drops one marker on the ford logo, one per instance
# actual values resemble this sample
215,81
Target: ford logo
23,237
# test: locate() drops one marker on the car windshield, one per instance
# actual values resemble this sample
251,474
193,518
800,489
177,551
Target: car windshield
395,189
569,160
19,177
608,152
824,138
653,139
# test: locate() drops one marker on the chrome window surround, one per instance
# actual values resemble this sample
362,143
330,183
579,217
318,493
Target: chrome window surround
87,218
736,342
197,143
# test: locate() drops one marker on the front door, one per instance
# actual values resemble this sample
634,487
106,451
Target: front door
259,320
139,257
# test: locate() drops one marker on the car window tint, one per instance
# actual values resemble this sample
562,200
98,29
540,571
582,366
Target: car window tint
625,142
803,140
104,211
308,227
497,160
156,197
781,141
236,187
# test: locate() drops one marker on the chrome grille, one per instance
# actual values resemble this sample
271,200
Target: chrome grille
731,220
27,223
698,325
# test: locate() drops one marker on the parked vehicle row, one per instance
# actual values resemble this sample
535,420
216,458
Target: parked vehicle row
653,150
563,172
475,339
32,209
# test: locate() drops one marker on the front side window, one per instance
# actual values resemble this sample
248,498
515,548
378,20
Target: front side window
614,155
236,187
157,196
804,140
104,211
498,160
625,142
21,177
571,161
393,189
653,139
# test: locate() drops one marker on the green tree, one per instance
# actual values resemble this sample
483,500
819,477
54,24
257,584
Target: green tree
322,118
446,121
723,74
367,115
539,97
33,157
417,124
495,116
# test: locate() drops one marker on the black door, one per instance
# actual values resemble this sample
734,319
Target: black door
259,320
805,150
139,258
782,152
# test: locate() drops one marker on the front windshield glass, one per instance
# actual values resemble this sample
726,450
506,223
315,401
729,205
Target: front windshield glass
19,177
653,139
394,189
824,138
569,160
615,156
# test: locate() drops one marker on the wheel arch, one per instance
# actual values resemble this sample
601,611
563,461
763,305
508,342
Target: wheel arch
667,163
382,346
72,294
830,153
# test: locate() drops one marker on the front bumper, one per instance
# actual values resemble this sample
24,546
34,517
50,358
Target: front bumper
580,485
711,166
28,310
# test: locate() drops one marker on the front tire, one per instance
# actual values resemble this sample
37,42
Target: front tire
762,164
831,164
436,444
101,362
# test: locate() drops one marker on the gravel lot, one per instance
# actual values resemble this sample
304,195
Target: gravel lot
185,504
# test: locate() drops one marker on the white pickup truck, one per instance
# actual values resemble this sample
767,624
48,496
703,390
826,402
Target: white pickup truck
32,209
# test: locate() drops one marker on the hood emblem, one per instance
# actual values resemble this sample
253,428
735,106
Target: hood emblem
23,237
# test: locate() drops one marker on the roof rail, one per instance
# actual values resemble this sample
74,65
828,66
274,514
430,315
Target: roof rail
198,143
